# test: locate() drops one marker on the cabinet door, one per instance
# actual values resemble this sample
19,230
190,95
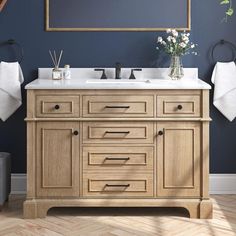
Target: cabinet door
178,158
57,159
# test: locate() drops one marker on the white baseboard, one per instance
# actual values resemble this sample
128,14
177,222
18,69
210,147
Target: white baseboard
18,183
223,184
219,183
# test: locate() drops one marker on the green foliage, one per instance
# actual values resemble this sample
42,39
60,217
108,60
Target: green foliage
230,9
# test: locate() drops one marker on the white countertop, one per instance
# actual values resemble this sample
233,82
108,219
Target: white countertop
149,78
85,84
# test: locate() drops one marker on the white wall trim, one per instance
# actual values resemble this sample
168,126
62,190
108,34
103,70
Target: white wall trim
223,184
219,183
18,183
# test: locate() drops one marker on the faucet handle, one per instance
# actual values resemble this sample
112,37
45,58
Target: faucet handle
104,76
132,76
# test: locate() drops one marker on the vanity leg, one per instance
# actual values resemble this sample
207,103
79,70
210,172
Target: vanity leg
193,210
30,209
42,210
33,210
206,209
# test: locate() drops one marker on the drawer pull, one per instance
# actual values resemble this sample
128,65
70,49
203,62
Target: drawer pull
179,107
76,133
117,158
57,107
125,107
117,185
117,132
160,133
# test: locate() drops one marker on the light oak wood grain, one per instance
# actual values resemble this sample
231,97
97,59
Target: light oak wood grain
168,106
118,106
178,154
152,221
67,106
118,132
102,185
57,159
118,159
169,170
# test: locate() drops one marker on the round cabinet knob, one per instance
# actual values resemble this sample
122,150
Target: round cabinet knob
160,133
76,132
57,107
180,107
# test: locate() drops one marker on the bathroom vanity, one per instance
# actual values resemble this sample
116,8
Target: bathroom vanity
93,143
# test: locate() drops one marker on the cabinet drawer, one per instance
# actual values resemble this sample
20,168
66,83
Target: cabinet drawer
178,106
118,158
57,106
133,185
118,106
122,132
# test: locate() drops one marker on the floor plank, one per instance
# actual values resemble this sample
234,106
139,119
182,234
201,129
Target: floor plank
119,221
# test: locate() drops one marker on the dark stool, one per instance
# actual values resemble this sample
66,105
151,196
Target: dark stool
5,177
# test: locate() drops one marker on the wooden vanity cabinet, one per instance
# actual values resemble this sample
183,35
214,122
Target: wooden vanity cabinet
179,157
57,159
118,148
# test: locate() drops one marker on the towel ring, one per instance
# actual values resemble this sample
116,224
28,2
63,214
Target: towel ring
12,42
227,43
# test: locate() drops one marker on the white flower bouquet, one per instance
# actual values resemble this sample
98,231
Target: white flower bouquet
176,44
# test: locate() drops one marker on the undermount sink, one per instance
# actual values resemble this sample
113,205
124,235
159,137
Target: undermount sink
123,81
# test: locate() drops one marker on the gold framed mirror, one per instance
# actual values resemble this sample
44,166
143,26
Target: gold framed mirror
113,15
2,4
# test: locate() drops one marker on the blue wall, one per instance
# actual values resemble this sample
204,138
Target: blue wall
24,21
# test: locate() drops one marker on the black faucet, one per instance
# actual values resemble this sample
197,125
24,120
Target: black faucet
118,70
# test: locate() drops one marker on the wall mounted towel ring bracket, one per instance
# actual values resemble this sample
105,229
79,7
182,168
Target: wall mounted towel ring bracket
223,42
13,43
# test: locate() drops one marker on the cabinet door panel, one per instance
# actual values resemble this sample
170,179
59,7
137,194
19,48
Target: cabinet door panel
178,151
57,159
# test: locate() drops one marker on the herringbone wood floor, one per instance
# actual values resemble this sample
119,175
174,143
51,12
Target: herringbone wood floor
119,222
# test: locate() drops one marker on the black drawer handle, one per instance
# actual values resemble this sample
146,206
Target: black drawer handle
179,107
76,133
160,133
125,107
117,185
117,158
117,132
57,107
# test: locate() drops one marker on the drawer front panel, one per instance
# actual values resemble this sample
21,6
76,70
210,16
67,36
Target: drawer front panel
119,186
118,106
122,132
118,158
178,106
57,106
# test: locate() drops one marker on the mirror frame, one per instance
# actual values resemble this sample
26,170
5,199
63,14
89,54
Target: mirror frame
48,28
2,4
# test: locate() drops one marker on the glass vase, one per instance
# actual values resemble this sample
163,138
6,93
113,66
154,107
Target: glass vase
176,68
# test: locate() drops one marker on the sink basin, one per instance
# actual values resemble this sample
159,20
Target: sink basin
113,81
123,81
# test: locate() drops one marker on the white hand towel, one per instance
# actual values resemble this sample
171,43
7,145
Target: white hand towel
224,78
11,78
